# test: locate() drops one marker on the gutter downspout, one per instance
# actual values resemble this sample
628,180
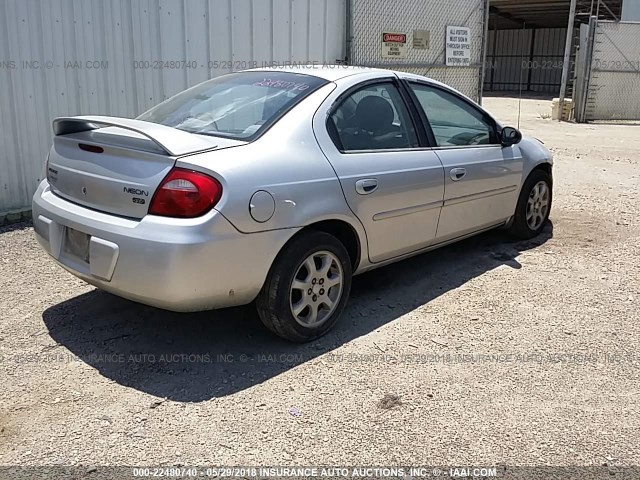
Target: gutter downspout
349,32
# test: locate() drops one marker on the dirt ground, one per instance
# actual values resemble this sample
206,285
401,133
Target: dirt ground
486,352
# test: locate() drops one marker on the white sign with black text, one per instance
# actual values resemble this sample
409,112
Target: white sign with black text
458,47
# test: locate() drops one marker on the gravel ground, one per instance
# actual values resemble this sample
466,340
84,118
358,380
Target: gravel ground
485,352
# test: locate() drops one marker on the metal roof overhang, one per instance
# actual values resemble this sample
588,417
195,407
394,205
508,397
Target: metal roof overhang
511,14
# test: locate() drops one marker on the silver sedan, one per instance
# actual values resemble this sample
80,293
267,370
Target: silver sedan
278,185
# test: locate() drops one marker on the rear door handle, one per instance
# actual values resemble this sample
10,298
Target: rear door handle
458,173
366,186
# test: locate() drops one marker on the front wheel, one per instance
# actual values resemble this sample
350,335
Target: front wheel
534,206
307,287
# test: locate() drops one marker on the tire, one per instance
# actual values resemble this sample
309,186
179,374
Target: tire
529,207
279,296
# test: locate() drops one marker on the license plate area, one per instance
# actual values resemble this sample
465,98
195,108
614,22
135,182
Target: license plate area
76,244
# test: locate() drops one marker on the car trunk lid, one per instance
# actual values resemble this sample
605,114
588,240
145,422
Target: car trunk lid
114,165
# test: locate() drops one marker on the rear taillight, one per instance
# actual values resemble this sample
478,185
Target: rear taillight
186,194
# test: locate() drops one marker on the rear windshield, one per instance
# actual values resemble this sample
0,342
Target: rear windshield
238,105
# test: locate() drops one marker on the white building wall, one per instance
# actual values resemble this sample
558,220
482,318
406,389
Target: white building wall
120,57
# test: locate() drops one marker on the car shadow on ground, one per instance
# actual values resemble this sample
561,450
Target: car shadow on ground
195,357
10,227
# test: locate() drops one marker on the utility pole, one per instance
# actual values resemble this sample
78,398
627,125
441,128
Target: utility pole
567,58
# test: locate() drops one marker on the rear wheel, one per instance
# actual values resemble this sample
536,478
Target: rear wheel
534,206
307,287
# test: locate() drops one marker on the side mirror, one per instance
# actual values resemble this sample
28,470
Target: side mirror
510,136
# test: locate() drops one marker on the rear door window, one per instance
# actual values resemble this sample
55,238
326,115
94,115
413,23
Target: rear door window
374,117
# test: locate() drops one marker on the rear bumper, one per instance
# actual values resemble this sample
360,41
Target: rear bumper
175,264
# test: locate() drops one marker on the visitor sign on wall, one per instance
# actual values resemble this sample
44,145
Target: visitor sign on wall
458,51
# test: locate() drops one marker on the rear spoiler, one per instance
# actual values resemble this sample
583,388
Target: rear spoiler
174,142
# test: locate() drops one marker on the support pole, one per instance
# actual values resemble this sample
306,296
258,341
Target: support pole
493,56
531,53
567,58
581,115
485,42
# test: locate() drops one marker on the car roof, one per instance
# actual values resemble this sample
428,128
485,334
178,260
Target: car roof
327,72
332,73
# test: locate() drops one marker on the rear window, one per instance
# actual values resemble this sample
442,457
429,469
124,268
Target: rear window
238,105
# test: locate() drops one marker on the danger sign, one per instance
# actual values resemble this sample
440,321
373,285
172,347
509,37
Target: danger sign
394,45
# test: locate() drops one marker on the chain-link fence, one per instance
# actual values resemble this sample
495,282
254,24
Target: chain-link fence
424,26
609,80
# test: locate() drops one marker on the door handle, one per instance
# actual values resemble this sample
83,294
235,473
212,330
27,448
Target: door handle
366,186
458,173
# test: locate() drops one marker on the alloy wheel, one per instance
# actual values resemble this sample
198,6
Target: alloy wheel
316,289
538,205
